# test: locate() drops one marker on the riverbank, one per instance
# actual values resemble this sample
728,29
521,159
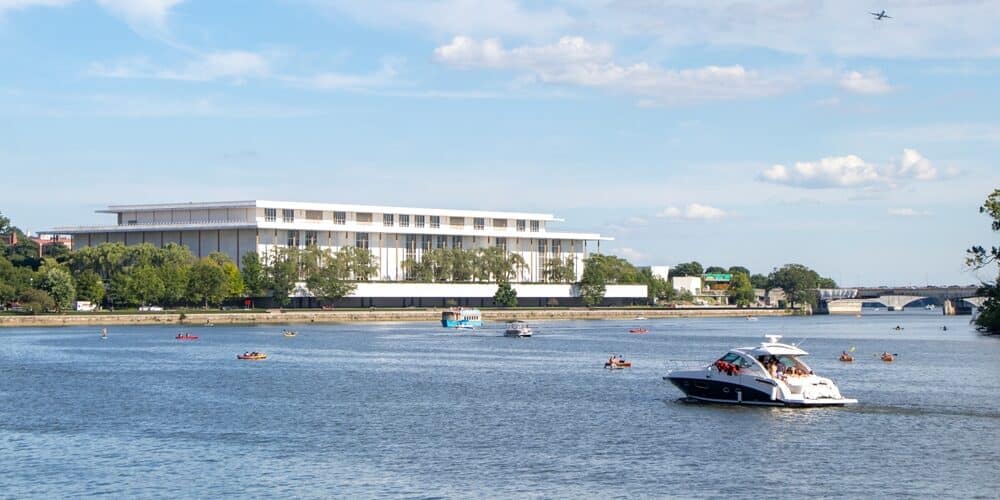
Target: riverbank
276,316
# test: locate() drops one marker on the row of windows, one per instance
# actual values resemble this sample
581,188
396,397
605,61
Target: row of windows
340,218
427,242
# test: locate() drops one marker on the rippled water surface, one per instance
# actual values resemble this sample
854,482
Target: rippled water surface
409,409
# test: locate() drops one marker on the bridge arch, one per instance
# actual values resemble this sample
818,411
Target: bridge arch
897,302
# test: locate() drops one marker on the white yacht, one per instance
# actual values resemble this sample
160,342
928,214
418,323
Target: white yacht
517,329
770,374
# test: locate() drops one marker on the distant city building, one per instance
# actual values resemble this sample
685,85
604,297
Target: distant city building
391,234
690,284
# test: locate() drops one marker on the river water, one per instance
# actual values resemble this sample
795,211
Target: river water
404,409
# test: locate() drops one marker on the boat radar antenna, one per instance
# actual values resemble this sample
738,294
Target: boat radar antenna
773,338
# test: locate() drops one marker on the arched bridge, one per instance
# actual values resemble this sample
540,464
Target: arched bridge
849,300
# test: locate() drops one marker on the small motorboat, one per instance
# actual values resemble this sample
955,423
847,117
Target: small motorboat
252,356
517,329
638,330
846,357
751,318
887,357
288,333
640,318
617,364
186,336
771,374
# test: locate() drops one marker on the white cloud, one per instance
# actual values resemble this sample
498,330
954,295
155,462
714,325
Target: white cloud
142,15
6,5
236,65
628,253
384,77
669,212
694,211
906,212
838,171
447,17
578,62
851,171
870,82
914,165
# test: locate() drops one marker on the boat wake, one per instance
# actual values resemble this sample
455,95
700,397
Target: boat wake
924,410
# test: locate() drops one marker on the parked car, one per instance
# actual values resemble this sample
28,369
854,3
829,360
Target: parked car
150,308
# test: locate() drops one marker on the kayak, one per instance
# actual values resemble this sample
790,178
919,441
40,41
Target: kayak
186,336
618,365
638,330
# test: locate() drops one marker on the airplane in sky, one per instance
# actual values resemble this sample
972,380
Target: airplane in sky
880,15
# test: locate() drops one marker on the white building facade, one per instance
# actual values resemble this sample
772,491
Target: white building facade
392,234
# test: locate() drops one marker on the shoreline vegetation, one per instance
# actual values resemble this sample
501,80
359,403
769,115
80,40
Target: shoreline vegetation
283,316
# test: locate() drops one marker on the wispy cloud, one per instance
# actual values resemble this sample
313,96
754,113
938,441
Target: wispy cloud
575,61
236,65
7,5
694,211
871,82
907,212
851,171
447,17
142,15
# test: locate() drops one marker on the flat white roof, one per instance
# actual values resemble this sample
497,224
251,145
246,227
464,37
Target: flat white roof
331,207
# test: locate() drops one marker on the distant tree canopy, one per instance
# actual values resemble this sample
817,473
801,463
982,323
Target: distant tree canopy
490,264
799,283
715,270
692,268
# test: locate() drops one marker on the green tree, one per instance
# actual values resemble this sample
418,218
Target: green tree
657,289
234,280
7,294
327,285
59,284
144,285
741,290
254,277
979,257
558,270
282,274
797,281
738,269
36,301
692,268
208,283
760,281
593,284
89,287
715,270
505,295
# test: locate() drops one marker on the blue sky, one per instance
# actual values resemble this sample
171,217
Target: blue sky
734,133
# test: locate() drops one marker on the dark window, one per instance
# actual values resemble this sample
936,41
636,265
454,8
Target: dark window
287,215
311,238
418,221
361,240
520,225
340,218
456,242
293,239
270,214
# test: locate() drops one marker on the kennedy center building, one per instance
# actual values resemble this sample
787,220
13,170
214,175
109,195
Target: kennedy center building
392,234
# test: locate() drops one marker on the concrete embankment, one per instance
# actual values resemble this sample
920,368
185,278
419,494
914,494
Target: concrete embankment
357,315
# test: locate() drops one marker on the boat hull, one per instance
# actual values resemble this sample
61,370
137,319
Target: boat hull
721,391
461,323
